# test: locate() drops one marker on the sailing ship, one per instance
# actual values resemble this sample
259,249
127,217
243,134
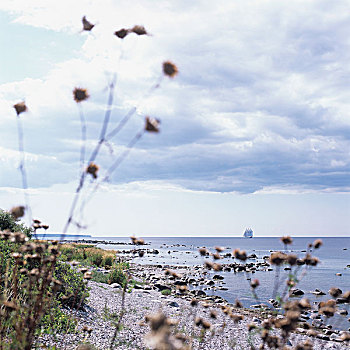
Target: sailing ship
248,233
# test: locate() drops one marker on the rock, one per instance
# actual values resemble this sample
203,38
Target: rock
343,312
318,292
338,274
297,292
115,285
161,286
218,277
173,303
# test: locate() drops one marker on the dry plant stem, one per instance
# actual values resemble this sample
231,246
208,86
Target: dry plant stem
132,110
83,138
92,157
22,167
276,282
113,167
121,314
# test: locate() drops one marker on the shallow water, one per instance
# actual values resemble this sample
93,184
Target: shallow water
334,257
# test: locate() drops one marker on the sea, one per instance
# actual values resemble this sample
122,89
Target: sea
333,269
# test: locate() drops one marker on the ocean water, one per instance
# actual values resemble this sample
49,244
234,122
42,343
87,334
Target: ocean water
334,256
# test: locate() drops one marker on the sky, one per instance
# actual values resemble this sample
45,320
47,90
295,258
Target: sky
254,132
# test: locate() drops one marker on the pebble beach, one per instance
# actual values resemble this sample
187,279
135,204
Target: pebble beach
97,319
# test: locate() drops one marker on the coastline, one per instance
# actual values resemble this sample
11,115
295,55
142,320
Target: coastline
146,298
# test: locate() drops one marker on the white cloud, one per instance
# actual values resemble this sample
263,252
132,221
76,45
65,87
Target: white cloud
261,100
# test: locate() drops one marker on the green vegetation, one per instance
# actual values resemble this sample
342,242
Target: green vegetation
87,254
34,287
166,292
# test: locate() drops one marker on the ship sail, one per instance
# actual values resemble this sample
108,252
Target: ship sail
248,233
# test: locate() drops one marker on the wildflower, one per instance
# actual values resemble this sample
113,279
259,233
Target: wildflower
139,30
86,24
152,124
286,240
20,107
170,69
318,243
17,212
92,169
122,33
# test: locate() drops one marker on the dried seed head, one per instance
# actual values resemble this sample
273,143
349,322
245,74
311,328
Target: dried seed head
10,305
304,304
217,267
152,124
87,275
122,33
80,95
335,292
139,30
17,256
18,237
213,314
216,256
292,259
307,345
170,69
20,107
86,24
57,285
255,283
238,304
92,169
17,212
203,251
277,258
194,302
219,249
240,254
157,321
251,326
317,244
236,318
6,235
286,240
346,296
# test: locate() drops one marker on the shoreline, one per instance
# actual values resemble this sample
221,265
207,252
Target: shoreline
225,332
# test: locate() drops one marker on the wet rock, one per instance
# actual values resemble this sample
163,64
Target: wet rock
318,292
218,277
297,292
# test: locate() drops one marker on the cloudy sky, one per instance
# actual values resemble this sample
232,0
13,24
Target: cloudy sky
255,128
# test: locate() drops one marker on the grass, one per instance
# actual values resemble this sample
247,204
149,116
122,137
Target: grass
87,255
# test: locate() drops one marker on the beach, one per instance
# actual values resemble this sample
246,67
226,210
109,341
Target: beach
97,319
